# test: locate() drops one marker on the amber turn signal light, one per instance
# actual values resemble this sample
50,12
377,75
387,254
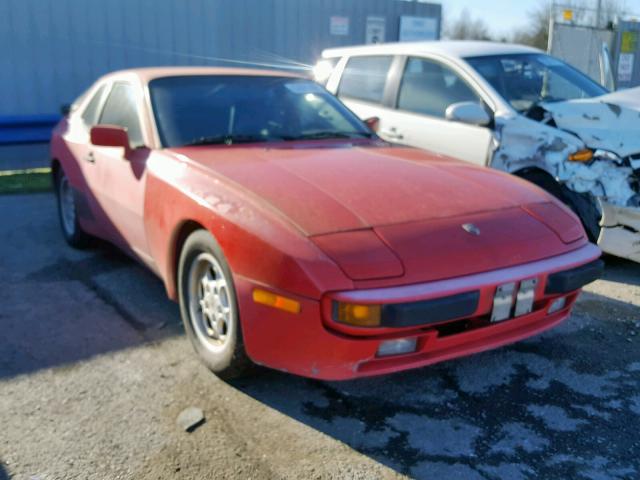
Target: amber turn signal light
276,301
358,315
581,156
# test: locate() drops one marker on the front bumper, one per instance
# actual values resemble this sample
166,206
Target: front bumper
620,233
312,345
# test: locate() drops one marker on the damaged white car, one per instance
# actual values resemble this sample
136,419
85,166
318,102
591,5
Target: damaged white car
510,107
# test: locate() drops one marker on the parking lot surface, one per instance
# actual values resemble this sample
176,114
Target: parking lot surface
95,369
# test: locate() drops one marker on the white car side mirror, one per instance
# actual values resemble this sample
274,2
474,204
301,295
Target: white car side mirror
471,113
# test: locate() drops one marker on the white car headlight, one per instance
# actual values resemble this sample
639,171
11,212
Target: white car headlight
607,155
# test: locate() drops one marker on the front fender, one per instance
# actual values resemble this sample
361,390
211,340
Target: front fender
524,143
259,244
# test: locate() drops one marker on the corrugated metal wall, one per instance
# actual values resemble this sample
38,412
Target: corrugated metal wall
581,46
51,50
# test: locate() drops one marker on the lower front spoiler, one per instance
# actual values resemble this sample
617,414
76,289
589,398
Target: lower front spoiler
309,345
434,349
620,234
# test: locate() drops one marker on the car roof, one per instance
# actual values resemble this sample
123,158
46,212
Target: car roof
451,48
152,73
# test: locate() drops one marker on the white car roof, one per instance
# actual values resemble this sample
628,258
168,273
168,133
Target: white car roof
459,49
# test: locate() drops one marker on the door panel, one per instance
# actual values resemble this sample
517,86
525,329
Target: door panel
120,182
120,191
466,142
427,89
388,129
364,86
82,176
415,114
82,172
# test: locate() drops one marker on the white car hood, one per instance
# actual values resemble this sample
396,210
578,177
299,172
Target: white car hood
610,122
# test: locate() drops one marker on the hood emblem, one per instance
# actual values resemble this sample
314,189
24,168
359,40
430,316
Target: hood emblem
471,228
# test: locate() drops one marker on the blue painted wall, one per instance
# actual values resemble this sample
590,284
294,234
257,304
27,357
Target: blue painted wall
52,50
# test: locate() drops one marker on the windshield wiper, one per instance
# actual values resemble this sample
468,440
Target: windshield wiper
330,134
226,140
235,139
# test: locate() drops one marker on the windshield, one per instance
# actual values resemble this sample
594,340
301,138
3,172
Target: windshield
526,80
210,109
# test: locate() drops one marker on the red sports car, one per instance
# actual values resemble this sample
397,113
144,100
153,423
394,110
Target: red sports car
294,238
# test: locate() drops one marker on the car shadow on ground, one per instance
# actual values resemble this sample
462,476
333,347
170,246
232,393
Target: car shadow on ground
560,405
61,306
620,270
70,311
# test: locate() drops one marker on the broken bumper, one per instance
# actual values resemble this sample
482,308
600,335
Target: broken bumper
620,233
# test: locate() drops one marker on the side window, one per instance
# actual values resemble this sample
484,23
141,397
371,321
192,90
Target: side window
90,114
120,109
364,78
429,88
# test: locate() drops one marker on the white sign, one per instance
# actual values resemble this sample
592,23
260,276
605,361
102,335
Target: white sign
339,26
625,67
376,30
415,29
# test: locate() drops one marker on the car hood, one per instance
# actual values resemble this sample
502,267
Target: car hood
328,190
610,122
456,246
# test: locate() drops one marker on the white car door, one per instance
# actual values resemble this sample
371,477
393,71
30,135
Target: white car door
427,88
363,86
415,115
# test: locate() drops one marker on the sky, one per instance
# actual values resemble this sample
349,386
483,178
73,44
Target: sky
501,15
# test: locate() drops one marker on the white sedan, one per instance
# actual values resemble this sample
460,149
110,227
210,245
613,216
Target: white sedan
510,107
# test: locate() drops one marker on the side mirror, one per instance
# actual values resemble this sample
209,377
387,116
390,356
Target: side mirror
373,123
471,113
111,136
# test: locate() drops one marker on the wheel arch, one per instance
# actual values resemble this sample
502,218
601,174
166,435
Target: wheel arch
179,237
55,168
526,172
544,180
581,204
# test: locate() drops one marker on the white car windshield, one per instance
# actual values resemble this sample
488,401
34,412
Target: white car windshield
527,80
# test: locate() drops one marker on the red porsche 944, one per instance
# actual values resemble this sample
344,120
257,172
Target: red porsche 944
294,238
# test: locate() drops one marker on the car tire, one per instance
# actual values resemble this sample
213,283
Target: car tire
68,212
209,307
582,204
586,207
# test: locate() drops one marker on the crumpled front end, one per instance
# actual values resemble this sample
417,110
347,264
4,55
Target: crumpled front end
616,187
609,127
609,179
620,234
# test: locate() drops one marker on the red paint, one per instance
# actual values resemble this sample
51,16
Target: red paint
322,220
111,136
361,254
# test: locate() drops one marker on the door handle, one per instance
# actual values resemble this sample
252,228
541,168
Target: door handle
392,134
90,157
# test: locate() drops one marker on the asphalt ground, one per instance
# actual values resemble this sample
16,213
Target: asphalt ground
95,369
